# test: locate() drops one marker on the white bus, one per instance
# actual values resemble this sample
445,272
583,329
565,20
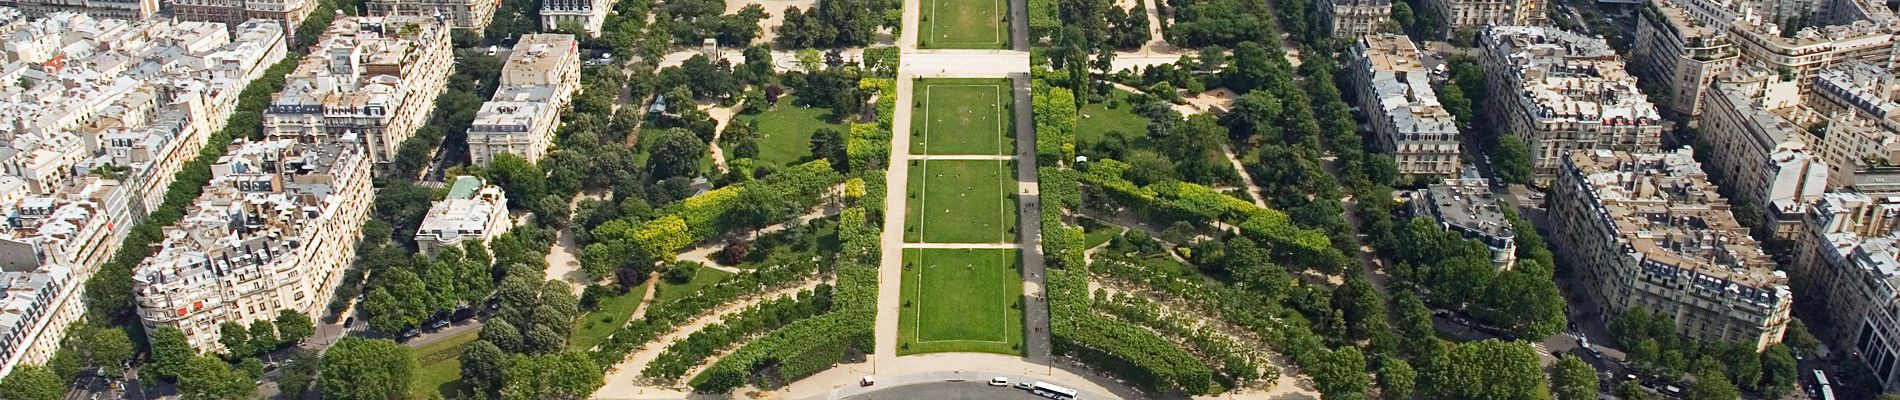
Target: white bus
1045,389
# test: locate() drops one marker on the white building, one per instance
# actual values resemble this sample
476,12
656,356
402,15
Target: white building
372,78
1761,144
473,15
1466,205
587,15
1406,117
1682,54
539,79
472,211
1559,91
1355,18
275,229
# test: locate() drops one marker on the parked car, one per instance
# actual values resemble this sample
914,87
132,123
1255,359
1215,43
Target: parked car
1025,385
999,381
438,324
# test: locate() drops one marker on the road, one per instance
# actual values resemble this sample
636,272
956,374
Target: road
1029,228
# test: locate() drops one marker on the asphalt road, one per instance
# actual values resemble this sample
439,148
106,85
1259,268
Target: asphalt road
947,391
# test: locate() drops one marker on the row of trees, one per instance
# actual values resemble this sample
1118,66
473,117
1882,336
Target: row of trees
1651,342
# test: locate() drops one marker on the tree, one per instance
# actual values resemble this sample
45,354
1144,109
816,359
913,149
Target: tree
1342,375
569,375
1513,160
1630,390
31,382
1800,339
293,326
482,365
366,369
1396,378
235,338
1779,371
170,352
1711,383
502,334
211,378
110,349
263,336
1572,379
828,144
675,153
1489,369
523,182
300,370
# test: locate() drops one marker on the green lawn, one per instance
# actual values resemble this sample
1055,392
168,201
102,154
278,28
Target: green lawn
961,117
439,366
1096,232
610,315
669,291
964,24
785,130
961,201
1096,120
961,300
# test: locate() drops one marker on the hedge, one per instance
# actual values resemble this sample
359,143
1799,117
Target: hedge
710,214
684,354
1133,353
661,318
1188,202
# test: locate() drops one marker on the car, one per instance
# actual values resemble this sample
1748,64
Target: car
412,332
999,381
867,381
1025,385
438,324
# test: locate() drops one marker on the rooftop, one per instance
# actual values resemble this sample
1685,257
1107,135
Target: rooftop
1570,76
1402,84
1468,203
1665,211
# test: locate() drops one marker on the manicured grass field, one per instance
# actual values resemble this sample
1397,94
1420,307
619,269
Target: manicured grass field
1095,233
669,291
964,24
961,300
784,135
1096,120
609,316
439,366
961,201
961,117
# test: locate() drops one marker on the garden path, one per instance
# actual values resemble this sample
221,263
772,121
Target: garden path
624,378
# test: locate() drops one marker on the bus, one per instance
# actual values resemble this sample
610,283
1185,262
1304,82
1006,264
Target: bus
1045,389
1827,393
1820,378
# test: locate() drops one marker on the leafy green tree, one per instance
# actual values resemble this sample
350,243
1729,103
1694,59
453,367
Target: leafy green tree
502,334
566,375
1397,379
31,382
171,351
482,366
1711,383
252,367
366,369
1631,391
1800,339
211,378
65,364
1779,371
828,144
293,326
235,338
1489,369
1342,375
1513,160
676,153
263,336
523,182
299,371
1572,379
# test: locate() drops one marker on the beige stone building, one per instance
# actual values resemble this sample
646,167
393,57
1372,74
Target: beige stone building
1679,53
1649,231
1849,263
462,14
275,229
287,13
374,79
1406,118
119,9
539,79
1559,91
588,15
1482,13
1355,18
1760,140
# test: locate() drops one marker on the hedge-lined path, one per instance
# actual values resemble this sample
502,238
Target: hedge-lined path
1029,227
1291,383
563,265
1253,190
703,254
624,378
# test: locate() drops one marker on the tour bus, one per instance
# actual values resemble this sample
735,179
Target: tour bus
1045,389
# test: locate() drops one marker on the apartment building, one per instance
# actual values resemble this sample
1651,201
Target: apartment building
1760,138
371,78
473,210
1482,13
97,116
472,15
1466,205
118,9
539,78
275,229
1559,91
287,13
1355,18
1865,90
1648,230
1849,263
1681,54
1406,117
586,15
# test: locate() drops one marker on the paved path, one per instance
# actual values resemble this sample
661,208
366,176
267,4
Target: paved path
965,157
1029,228
1245,177
891,242
963,64
625,377
840,382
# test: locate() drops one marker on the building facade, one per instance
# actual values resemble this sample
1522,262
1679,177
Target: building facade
1760,144
539,79
1355,18
461,14
287,13
275,229
1559,91
1649,231
1682,55
369,80
473,210
585,15
1482,13
97,116
1406,118
119,9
